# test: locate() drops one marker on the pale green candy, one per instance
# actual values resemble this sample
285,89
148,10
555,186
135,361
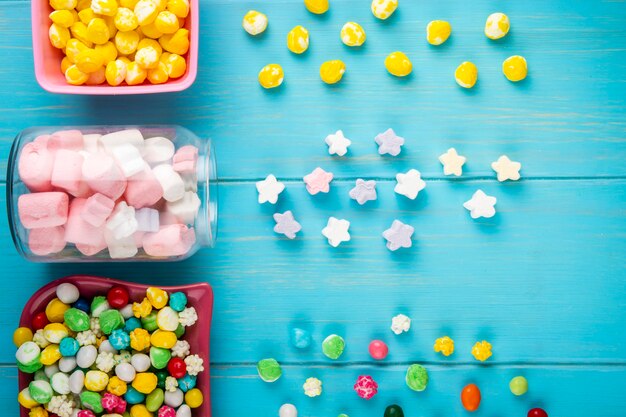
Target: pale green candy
28,353
111,320
99,305
154,400
159,357
342,415
77,320
333,346
417,377
518,385
40,375
30,368
269,369
40,391
91,401
150,322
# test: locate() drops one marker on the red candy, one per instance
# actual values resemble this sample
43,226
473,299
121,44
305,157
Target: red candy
537,412
118,297
470,397
177,367
366,387
86,413
166,411
40,321
378,349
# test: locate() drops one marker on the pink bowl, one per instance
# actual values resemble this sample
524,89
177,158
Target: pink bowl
199,295
48,60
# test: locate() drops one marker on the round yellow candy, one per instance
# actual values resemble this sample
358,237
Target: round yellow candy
150,31
55,310
382,9
148,57
55,332
74,76
140,410
194,398
116,386
352,34
317,6
175,65
96,381
497,26
64,18
86,15
104,7
466,74
298,40
50,355
22,335
166,22
115,72
331,72
58,35
438,31
125,19
98,31
126,42
79,31
157,297
26,400
129,4
89,61
38,412
162,338
96,78
254,22
108,52
398,64
62,4
515,68
177,43
158,75
179,7
146,11
65,64
73,48
271,76
145,382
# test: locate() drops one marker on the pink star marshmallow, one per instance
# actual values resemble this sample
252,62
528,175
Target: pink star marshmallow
318,181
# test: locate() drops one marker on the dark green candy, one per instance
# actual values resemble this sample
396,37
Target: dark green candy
150,322
179,332
393,410
161,376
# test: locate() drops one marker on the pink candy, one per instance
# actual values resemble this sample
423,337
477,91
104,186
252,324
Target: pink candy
43,209
47,240
78,231
318,181
143,189
378,349
35,165
102,175
66,139
366,387
113,403
172,240
67,172
97,209
85,413
185,159
166,411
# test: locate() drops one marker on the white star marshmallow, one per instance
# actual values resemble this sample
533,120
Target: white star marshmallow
336,231
409,184
269,189
452,162
481,205
506,169
338,143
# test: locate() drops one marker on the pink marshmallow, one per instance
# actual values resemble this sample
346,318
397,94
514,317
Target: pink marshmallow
67,173
78,231
138,236
102,175
47,240
172,240
185,159
66,139
88,250
35,165
40,210
143,189
97,209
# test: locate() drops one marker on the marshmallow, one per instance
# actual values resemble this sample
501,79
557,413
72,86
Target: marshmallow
66,139
122,222
67,172
143,189
78,231
115,139
190,180
167,218
186,208
35,165
91,143
172,240
172,184
157,150
129,159
97,208
47,240
89,250
138,238
40,210
102,175
185,159
120,248
147,220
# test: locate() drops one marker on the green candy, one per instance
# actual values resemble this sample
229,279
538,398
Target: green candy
417,377
179,332
518,385
30,368
150,322
40,391
77,320
111,320
161,377
159,357
92,401
269,369
393,410
154,400
342,415
40,375
99,305
333,346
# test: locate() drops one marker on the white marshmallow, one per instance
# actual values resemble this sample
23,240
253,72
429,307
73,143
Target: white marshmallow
92,143
122,222
191,181
186,208
128,159
128,137
172,184
120,248
158,150
147,220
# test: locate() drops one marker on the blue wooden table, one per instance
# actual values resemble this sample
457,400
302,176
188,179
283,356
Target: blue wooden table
544,280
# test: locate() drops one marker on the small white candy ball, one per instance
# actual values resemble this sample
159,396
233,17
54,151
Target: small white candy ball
86,356
141,362
60,383
125,372
105,346
288,410
183,411
67,364
77,381
127,311
67,293
174,398
51,370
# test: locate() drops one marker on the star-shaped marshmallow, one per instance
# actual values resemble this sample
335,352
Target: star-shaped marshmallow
336,231
481,205
286,224
452,162
506,169
398,235
338,143
318,181
269,189
364,191
389,143
409,184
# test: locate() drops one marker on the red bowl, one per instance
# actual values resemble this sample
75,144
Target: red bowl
199,295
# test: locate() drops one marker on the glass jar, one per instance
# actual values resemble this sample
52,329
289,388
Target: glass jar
111,193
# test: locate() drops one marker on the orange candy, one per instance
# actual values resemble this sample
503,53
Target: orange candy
470,397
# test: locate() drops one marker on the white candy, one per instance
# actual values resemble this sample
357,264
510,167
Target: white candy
129,159
127,311
67,364
337,143
125,372
86,356
105,346
167,319
269,189
77,381
140,362
91,143
174,398
183,411
27,352
191,181
336,231
400,324
186,208
481,205
409,184
158,150
122,222
147,221
120,248
50,370
171,182
122,137
60,383
67,293
287,410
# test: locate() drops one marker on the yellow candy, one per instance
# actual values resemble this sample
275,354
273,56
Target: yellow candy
254,22
140,410
445,345
179,7
126,43
73,48
96,381
194,398
26,400
96,78
466,74
316,6
50,355
63,4
158,75
298,40
65,64
139,338
38,412
332,72
110,21
146,11
125,20
141,310
59,35
145,382
382,9
163,339
398,64
22,335
271,76
55,332
352,34
497,26
438,31
157,297
151,31
147,58
83,4
89,61
175,65
515,68
79,31
129,4
178,43
166,22
86,15
116,386
98,31
108,52
161,5
104,7
481,350
64,18
144,43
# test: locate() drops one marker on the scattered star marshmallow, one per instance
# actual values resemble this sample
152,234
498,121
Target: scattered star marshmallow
364,191
506,169
389,143
452,162
409,184
286,224
481,205
337,143
398,236
336,231
318,181
269,189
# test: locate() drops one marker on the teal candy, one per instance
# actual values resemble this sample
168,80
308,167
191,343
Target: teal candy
40,375
154,400
69,346
40,391
132,324
161,377
111,320
30,368
77,320
99,305
119,339
178,301
186,383
179,332
133,396
159,357
150,322
91,401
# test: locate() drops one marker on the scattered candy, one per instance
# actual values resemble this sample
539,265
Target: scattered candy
393,410
269,369
470,397
298,40
400,324
481,205
254,22
67,293
452,162
352,34
300,338
312,387
287,410
445,345
22,335
398,236
481,351
286,224
537,412
438,31
515,68
336,231
318,181
497,26
365,387
382,9
331,72
378,349
518,385
271,76
398,64
269,189
389,143
409,184
466,74
416,377
363,191
317,6
337,143
333,346
506,169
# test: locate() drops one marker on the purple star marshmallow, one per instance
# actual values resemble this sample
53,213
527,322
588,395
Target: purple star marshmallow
364,191
389,143
398,235
286,224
